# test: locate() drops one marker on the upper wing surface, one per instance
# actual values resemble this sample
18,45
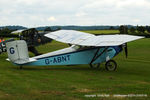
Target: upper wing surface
85,39
69,36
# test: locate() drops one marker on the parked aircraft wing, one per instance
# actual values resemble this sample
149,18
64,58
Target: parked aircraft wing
85,39
18,31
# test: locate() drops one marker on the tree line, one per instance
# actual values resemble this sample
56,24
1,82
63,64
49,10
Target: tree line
123,29
5,31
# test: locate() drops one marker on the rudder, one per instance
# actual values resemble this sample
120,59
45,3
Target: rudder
17,51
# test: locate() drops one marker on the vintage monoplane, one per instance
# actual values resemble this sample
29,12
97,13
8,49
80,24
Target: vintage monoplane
86,49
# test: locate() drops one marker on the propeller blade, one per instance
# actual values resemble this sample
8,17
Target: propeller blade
126,50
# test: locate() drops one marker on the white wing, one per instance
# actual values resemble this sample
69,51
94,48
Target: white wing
69,36
109,40
18,31
85,39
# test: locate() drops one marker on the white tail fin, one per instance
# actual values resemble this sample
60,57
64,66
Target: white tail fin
18,52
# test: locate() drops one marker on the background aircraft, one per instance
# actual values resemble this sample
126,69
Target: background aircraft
32,37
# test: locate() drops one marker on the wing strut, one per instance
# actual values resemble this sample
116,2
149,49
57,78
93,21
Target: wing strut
97,56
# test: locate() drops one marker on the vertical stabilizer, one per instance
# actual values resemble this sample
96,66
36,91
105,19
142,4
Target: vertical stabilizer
17,52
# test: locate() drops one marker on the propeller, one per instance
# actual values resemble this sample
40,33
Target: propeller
125,49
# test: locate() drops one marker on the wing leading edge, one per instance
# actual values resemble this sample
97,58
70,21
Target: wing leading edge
85,39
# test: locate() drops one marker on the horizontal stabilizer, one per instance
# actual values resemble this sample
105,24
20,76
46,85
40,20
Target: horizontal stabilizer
23,61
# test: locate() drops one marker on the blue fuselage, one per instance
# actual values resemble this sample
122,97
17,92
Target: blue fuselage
82,56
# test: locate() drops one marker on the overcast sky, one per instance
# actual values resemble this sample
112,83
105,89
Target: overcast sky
34,13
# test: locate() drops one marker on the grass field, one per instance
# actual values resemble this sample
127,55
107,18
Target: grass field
102,31
74,82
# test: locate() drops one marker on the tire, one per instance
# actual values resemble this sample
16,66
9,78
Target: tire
111,65
95,65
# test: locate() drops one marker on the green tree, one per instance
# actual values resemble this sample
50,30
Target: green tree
123,29
5,31
48,29
141,29
111,28
148,29
132,30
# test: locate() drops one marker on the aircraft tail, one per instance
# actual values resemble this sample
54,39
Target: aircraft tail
18,52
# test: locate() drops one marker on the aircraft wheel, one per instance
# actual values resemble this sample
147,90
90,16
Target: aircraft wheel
111,65
95,65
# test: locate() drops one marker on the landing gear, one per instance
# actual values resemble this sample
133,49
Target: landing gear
95,65
95,57
111,65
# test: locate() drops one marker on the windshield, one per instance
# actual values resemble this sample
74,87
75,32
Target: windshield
78,47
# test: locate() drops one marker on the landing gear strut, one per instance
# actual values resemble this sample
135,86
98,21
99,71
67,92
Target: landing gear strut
111,65
95,57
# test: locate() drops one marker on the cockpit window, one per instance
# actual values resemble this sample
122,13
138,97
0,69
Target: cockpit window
78,47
